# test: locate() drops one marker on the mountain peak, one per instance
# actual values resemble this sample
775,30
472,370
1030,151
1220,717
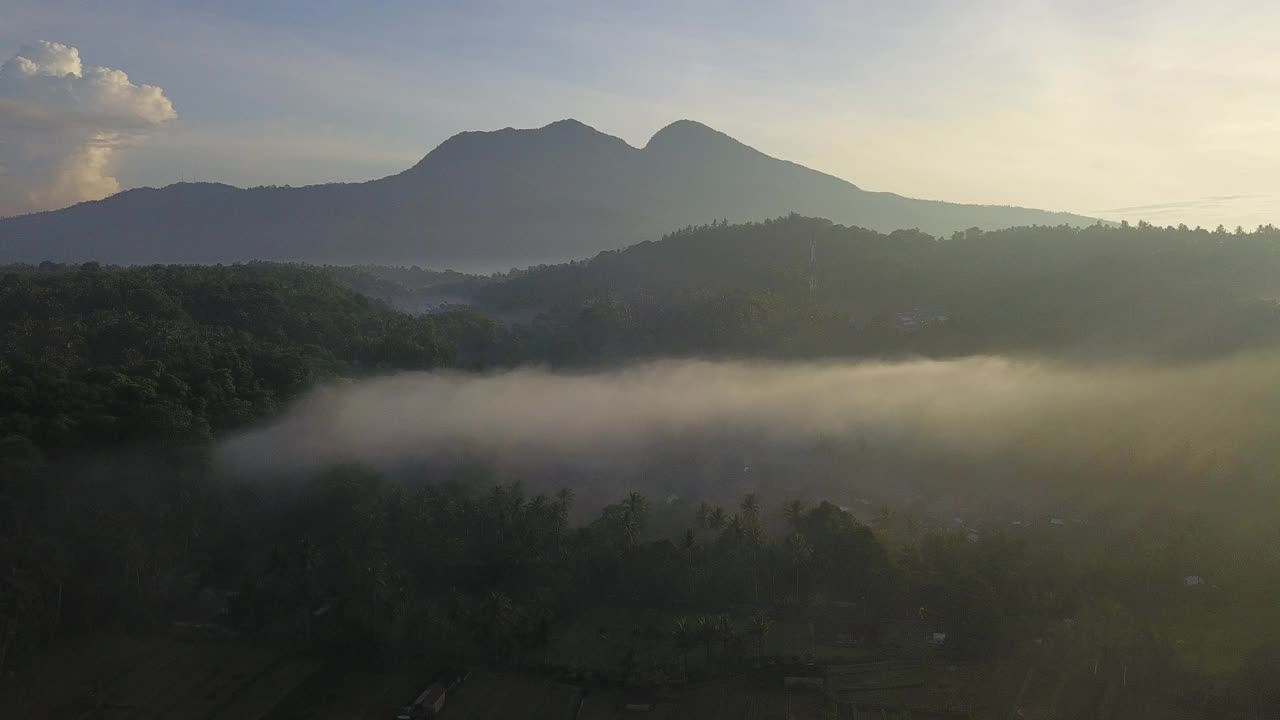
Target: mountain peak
570,125
683,133
569,128
568,135
494,199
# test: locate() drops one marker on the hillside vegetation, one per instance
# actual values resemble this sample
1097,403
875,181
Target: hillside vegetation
117,383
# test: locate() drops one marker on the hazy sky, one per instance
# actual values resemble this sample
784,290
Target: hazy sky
1168,111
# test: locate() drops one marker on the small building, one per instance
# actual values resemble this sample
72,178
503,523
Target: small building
1192,581
938,638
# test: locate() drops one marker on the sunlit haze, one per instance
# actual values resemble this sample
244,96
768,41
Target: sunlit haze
609,360
1164,111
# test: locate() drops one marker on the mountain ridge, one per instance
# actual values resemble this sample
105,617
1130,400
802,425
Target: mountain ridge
486,200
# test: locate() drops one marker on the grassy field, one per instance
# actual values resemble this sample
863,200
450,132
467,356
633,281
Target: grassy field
499,696
599,640
119,677
62,681
731,700
166,676
352,694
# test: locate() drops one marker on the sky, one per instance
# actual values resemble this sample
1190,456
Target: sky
1165,111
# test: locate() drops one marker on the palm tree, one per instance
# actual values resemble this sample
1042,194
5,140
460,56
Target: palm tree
560,508
498,618
716,518
794,512
564,501
685,637
634,516
752,534
705,629
725,632
760,625
689,551
801,553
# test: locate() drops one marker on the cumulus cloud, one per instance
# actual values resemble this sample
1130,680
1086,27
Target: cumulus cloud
61,124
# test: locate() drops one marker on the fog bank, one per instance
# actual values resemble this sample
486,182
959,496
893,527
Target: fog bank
971,407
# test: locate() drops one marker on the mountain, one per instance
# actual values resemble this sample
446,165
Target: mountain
485,200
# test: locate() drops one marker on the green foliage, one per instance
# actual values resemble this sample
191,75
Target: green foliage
94,357
114,381
797,286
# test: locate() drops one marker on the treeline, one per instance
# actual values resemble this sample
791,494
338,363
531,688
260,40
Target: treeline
115,381
358,561
804,287
1103,290
411,289
94,357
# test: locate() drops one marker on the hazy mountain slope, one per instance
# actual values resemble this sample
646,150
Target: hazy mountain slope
484,200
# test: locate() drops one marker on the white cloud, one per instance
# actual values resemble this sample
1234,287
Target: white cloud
61,124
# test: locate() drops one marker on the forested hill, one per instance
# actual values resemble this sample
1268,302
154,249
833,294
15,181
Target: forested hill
95,356
1112,289
483,200
112,381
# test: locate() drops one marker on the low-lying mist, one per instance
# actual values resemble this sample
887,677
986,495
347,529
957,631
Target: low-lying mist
1187,423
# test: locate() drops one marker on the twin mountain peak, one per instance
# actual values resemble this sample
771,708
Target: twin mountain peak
485,201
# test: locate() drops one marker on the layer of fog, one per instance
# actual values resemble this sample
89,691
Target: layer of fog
968,409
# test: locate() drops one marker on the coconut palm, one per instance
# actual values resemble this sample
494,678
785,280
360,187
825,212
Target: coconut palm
716,518
725,631
801,553
759,626
685,636
635,513
794,512
705,631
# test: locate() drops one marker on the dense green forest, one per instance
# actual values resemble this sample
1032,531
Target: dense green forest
809,286
117,383
97,356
